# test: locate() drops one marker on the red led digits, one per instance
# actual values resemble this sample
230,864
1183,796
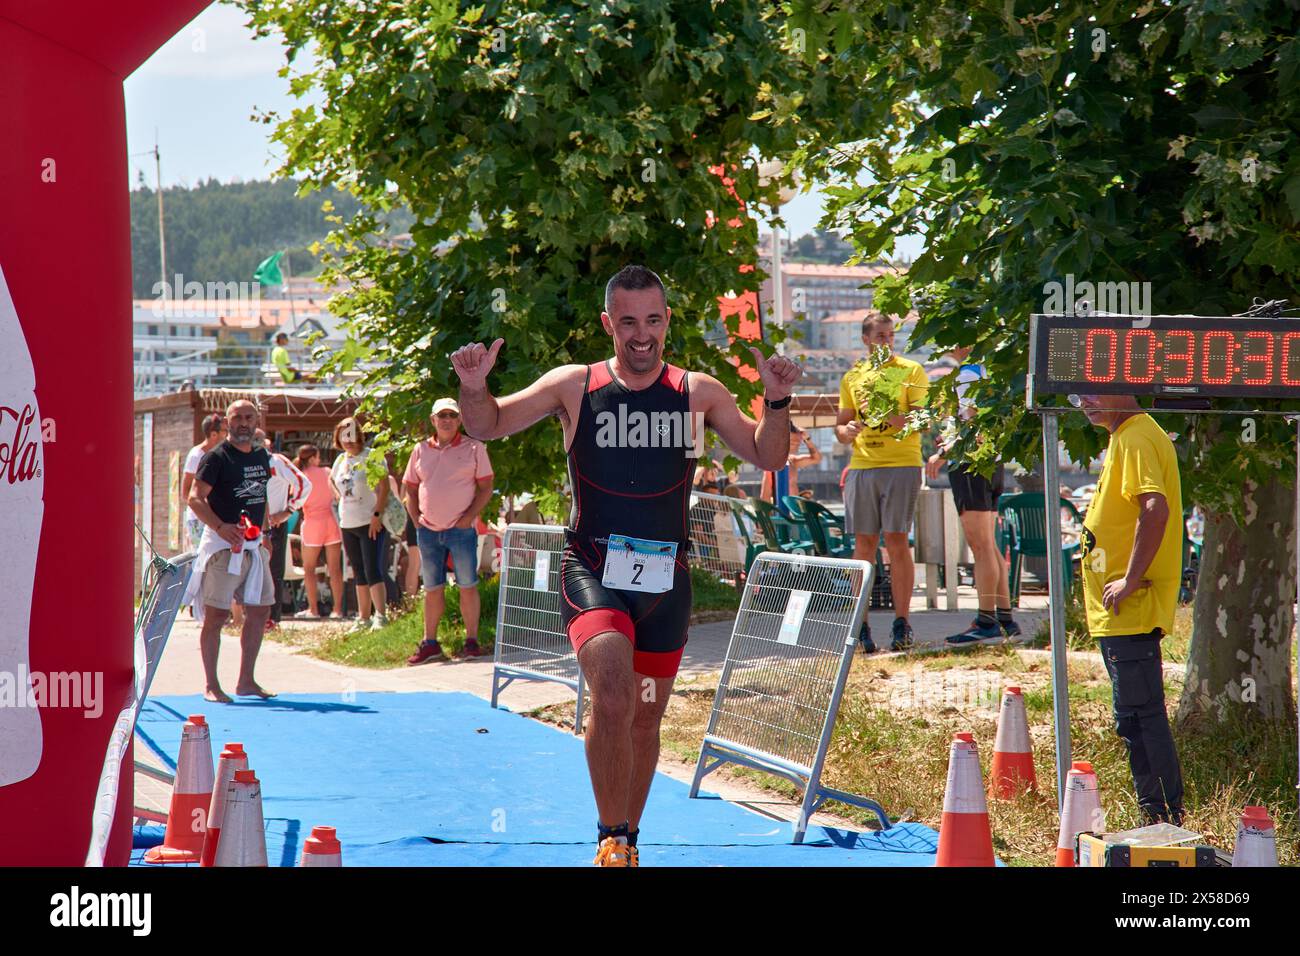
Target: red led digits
1265,358
1188,357
1130,337
1287,341
1228,369
1088,346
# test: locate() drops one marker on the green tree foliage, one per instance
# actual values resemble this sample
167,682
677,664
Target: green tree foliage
219,232
1125,141
540,145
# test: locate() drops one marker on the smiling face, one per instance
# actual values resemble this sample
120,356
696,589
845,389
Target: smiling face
639,326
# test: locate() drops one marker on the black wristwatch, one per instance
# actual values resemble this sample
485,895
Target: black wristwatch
376,514
779,404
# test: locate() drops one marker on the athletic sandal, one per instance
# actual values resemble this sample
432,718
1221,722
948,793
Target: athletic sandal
426,651
613,853
902,635
976,634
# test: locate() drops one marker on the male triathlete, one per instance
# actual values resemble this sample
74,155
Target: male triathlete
632,429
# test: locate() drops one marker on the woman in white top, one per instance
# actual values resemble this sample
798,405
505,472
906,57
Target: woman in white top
360,509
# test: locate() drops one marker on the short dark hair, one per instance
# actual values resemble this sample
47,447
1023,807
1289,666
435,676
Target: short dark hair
281,335
633,277
212,424
872,318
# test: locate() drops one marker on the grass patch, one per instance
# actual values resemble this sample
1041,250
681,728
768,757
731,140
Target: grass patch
1174,648
898,716
392,644
709,593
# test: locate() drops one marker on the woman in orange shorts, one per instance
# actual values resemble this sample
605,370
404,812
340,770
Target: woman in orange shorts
320,529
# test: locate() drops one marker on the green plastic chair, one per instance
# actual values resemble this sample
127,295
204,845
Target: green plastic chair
1029,537
764,516
819,521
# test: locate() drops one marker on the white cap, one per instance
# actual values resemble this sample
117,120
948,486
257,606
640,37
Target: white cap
444,404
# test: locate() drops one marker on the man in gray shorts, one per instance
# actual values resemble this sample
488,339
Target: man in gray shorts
884,474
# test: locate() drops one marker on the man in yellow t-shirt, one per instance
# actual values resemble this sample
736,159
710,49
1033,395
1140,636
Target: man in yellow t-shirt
1132,567
884,474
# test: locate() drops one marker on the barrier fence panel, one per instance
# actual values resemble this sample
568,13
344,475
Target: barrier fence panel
719,540
158,609
786,665
531,643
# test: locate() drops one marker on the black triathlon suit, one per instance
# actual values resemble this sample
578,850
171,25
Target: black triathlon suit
641,488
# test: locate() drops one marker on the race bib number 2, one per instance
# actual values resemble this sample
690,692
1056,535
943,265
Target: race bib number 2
635,564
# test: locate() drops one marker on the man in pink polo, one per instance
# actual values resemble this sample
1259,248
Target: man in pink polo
448,481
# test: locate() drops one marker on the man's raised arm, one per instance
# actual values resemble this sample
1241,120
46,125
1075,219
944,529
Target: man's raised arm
486,417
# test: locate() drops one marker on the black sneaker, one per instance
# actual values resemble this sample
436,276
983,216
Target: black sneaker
1010,629
902,635
865,642
976,634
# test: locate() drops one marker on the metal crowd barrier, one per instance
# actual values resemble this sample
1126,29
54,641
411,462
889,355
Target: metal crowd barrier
531,643
787,662
720,532
154,622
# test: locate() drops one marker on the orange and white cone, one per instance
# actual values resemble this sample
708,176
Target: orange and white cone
232,758
191,794
1012,772
1256,839
243,832
964,835
1082,813
322,848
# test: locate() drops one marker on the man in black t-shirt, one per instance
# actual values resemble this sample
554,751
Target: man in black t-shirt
234,563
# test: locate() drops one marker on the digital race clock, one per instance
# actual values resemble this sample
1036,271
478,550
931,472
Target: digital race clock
1168,355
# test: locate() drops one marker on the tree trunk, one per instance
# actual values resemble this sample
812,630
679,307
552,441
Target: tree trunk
1240,656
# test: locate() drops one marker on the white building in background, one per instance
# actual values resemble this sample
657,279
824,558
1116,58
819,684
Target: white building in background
212,342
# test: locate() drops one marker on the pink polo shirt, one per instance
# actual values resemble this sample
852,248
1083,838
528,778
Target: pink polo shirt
448,477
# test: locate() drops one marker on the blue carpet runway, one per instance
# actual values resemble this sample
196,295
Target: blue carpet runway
439,779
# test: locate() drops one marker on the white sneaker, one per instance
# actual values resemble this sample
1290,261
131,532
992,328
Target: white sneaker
378,622
359,625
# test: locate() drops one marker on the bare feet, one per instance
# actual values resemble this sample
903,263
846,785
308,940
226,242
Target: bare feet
216,695
252,690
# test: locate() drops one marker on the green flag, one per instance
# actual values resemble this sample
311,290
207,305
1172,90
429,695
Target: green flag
268,273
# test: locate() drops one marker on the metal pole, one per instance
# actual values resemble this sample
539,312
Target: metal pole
1297,581
778,285
1057,598
162,264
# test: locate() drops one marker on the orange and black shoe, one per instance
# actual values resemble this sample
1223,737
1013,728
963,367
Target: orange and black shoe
613,853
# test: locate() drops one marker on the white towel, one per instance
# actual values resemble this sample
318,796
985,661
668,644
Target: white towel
212,543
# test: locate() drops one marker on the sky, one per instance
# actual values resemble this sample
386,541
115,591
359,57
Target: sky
197,95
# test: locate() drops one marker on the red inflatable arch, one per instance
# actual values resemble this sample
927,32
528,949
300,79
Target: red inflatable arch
65,262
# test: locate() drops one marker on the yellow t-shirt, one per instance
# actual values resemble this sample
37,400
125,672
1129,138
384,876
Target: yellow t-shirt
879,446
1139,459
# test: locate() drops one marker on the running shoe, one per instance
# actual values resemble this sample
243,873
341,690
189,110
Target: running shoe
359,625
1011,629
865,642
471,649
613,853
976,634
902,635
426,651
378,622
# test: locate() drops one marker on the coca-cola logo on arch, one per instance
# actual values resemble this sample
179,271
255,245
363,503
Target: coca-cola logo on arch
20,457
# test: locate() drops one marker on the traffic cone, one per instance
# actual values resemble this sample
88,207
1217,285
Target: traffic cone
1012,772
243,833
964,835
232,758
1256,839
1082,813
322,848
191,794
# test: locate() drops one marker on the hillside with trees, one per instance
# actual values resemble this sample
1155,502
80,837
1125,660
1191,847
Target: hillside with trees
219,232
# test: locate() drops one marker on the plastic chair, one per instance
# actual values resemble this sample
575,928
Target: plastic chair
764,516
1029,514
819,520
